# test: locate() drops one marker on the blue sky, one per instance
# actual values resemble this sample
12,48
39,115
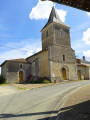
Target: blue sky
22,20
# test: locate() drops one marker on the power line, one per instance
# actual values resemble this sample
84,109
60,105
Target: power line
14,48
28,38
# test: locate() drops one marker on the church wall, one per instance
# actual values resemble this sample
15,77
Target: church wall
47,37
57,53
57,63
43,64
62,36
56,71
13,69
73,75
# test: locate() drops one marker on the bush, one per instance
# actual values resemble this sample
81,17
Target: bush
28,78
46,81
2,80
36,79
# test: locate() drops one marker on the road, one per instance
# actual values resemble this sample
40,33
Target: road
37,104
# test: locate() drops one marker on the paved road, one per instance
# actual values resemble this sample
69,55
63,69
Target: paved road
37,104
77,106
6,90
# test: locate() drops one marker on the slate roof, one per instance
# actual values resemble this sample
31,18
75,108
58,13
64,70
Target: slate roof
54,18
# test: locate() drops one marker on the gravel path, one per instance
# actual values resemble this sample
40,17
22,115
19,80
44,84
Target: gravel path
77,106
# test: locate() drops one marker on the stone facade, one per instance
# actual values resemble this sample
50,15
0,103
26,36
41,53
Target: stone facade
39,64
84,67
10,70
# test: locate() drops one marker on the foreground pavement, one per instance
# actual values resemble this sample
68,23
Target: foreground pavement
77,106
37,104
7,90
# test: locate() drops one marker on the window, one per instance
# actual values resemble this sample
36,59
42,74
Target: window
61,32
21,65
63,57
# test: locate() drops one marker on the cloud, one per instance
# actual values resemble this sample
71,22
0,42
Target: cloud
87,54
86,36
42,11
88,13
62,14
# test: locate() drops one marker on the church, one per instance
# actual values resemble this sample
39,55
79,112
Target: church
56,60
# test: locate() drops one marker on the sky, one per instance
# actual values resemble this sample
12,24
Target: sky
22,20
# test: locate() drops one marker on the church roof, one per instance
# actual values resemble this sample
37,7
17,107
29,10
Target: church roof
54,17
18,60
14,60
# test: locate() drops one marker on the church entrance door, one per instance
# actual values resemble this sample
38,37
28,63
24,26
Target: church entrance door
21,76
64,74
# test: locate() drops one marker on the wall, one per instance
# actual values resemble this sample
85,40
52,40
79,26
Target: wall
56,71
87,63
57,63
13,69
42,58
57,52
84,71
47,40
61,35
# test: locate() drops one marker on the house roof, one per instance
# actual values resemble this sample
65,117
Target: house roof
14,60
79,64
54,18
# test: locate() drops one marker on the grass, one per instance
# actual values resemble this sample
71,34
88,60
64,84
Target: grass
3,84
19,88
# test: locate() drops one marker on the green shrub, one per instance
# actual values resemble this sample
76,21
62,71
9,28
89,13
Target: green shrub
2,80
46,81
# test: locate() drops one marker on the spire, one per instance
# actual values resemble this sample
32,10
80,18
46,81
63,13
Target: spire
53,15
54,18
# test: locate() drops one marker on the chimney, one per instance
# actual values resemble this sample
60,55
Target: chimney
84,58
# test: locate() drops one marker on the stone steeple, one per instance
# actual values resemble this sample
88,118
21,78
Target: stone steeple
54,18
55,32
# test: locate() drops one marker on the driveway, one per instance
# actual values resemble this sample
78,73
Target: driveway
37,104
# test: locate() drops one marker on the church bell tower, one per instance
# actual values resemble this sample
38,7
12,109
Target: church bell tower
56,39
55,32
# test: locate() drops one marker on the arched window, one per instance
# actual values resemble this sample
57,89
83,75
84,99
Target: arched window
63,57
21,65
47,34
